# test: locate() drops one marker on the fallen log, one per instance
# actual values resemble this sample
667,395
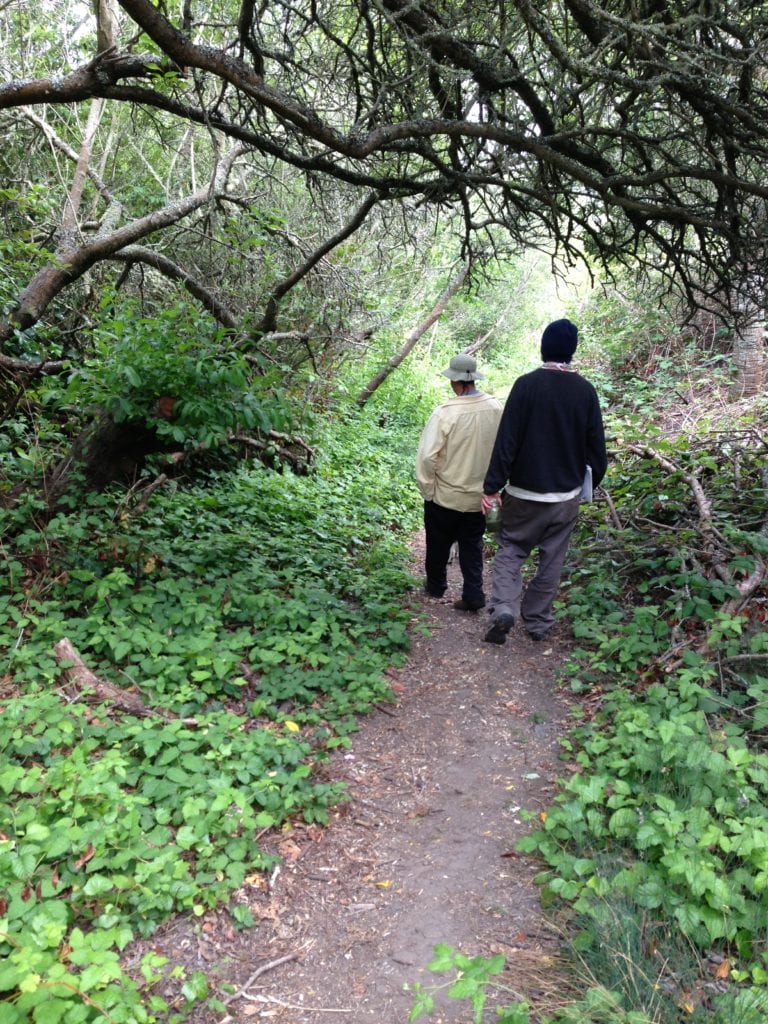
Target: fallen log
92,687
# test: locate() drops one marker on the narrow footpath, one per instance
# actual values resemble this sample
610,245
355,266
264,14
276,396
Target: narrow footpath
421,854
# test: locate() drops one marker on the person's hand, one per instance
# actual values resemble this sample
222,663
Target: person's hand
488,501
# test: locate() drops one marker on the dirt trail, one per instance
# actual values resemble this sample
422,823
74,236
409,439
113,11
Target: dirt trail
422,852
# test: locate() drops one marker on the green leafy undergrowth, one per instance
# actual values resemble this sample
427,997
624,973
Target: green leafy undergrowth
665,814
629,959
253,615
663,570
132,365
669,811
470,979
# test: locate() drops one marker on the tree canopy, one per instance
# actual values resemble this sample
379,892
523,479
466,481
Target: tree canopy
633,130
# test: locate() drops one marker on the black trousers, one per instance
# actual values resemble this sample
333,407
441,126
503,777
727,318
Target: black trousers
443,527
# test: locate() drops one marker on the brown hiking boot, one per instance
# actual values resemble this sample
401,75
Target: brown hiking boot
467,606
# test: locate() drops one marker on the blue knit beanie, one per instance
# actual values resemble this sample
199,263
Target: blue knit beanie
558,342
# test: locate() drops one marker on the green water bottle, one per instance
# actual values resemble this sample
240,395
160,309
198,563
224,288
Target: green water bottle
493,518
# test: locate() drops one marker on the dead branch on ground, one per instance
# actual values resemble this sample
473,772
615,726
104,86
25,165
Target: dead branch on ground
716,552
91,687
95,690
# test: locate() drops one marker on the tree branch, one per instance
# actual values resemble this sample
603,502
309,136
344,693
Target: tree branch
413,338
140,254
268,322
71,265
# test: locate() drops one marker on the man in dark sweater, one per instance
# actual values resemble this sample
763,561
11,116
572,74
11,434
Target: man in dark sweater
550,435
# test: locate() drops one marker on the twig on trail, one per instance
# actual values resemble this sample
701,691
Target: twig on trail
295,1006
715,544
744,657
747,587
270,966
377,806
703,504
611,508
282,445
92,686
381,707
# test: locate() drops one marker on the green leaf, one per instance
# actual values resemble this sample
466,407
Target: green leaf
648,835
37,832
196,987
51,1011
98,885
688,917
464,988
444,958
623,822
10,975
187,837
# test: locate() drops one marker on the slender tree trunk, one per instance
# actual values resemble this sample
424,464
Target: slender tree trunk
70,217
749,356
748,350
108,24
413,337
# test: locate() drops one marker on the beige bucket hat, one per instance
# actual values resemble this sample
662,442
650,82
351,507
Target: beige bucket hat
462,367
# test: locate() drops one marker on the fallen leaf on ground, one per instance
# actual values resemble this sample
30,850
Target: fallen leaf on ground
85,857
722,970
289,850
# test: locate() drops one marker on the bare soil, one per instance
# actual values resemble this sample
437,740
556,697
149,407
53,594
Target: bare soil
423,851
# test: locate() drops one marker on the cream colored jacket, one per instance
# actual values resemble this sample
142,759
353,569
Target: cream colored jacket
455,449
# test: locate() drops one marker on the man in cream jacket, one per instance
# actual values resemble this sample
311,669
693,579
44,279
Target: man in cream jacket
452,458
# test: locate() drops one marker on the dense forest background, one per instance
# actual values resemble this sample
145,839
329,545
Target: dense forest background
239,241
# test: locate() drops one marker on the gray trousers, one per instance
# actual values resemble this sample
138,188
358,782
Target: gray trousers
527,525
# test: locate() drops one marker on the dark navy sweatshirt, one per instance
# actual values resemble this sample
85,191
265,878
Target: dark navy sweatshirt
551,428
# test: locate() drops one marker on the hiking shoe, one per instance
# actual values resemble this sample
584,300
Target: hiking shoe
500,626
468,606
433,593
538,637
